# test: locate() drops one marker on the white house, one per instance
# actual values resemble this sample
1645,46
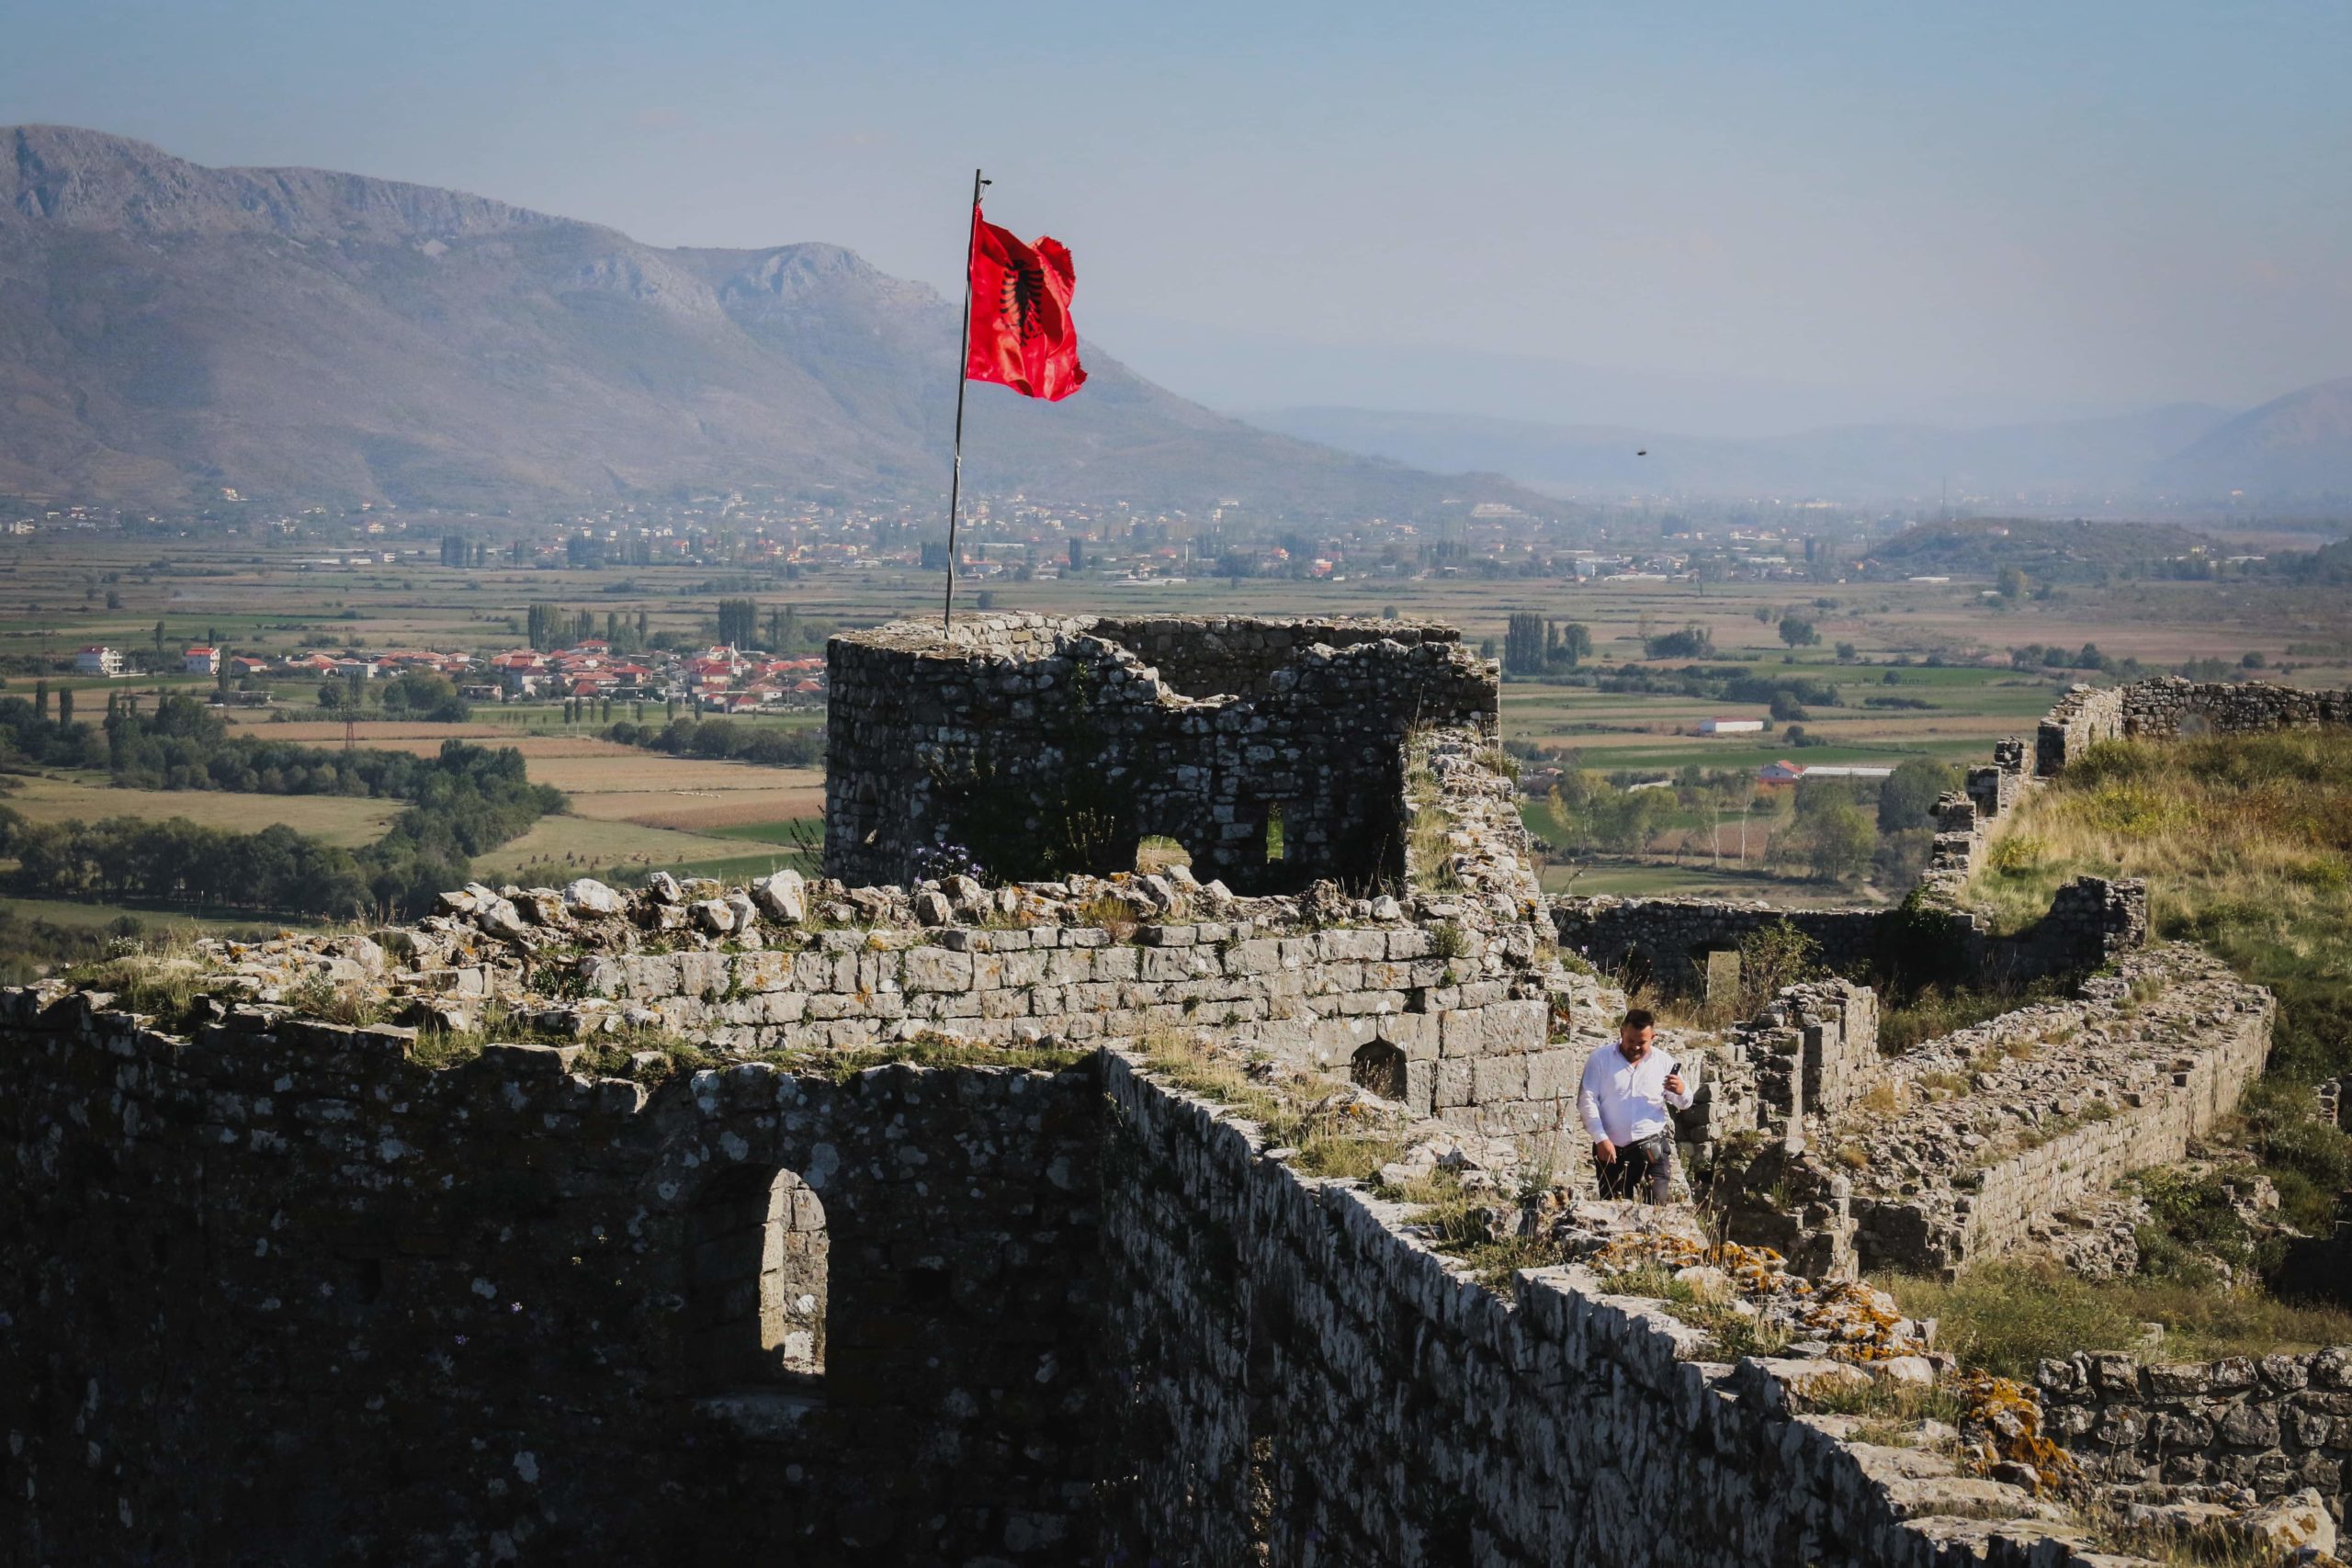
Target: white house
201,662
97,660
1731,726
1786,772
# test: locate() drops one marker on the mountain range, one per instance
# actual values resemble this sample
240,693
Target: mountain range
2296,448
168,330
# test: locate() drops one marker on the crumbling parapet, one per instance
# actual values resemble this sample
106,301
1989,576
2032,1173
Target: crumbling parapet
1985,1135
1280,1340
2169,708
1666,942
1273,751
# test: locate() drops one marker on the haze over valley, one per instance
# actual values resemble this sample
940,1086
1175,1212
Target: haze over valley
306,336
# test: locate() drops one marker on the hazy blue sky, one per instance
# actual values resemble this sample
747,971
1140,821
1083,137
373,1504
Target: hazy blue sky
1810,210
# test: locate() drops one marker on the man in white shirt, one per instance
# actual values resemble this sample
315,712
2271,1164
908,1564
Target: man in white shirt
1624,1099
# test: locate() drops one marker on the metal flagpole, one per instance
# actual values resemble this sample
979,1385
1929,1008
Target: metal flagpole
963,364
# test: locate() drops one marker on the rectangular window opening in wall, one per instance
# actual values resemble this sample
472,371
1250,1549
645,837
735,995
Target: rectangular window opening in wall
1273,833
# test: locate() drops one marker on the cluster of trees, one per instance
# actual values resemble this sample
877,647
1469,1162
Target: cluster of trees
178,861
456,549
413,693
739,622
551,625
1693,641
463,801
1533,646
1836,830
29,735
466,801
725,738
2034,656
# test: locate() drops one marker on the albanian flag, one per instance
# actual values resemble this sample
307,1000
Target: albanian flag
1022,334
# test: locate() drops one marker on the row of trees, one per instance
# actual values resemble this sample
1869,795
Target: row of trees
461,802
413,693
1533,646
780,629
472,800
548,627
725,738
178,861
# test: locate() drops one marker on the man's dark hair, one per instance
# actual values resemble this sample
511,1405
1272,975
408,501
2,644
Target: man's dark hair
1641,1018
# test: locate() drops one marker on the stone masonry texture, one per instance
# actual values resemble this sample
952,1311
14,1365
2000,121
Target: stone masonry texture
1273,751
275,1291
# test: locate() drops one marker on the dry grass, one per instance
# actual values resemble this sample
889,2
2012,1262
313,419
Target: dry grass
2246,843
1154,855
1346,1142
2209,1547
2233,825
570,846
699,808
2006,1316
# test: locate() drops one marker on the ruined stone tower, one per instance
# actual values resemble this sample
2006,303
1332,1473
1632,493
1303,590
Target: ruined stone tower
1273,751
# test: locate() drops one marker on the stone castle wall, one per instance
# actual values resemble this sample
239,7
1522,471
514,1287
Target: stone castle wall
1668,941
1997,1128
286,1295
1044,746
2169,708
1299,1380
280,1294
1462,1008
2274,1426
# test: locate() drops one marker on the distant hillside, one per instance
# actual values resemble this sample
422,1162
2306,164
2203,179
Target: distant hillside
302,335
2024,461
2049,552
2300,445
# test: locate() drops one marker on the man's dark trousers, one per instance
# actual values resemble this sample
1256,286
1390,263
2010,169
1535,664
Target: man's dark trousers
1641,1170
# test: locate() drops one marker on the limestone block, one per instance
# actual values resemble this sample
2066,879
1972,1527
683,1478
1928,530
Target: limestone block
589,896
936,969
782,896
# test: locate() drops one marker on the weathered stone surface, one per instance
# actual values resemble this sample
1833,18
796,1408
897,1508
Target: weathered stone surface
1273,751
782,896
1027,1317
590,897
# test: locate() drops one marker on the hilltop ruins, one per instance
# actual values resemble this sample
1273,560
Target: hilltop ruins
860,1218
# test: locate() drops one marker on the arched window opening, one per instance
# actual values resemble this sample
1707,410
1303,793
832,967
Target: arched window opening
1378,1068
757,1277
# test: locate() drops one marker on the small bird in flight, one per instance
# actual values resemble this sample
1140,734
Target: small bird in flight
1642,452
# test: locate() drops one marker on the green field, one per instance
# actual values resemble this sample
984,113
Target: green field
88,798
255,594
559,848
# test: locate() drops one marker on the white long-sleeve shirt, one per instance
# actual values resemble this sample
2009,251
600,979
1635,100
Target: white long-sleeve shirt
1625,1101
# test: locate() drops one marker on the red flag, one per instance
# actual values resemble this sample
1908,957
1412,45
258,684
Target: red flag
1022,334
